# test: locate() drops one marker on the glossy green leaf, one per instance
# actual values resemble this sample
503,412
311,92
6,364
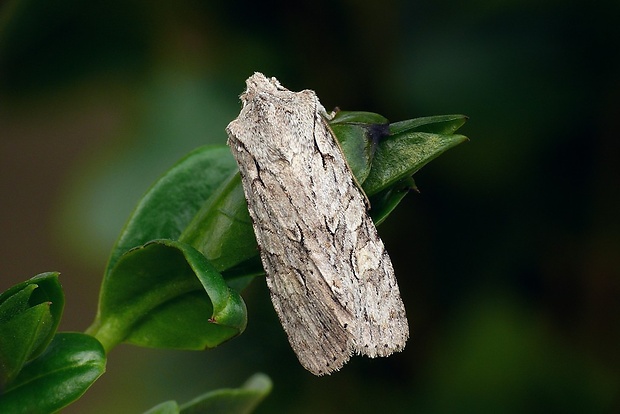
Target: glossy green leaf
401,155
172,202
231,401
16,302
384,202
358,134
29,315
166,294
383,157
19,336
440,124
168,407
222,229
357,117
46,289
199,201
359,147
59,376
225,401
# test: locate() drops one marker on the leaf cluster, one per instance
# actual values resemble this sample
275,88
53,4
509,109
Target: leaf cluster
175,274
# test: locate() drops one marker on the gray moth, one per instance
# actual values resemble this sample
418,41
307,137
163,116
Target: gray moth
331,280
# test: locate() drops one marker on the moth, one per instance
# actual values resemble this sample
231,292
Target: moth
330,278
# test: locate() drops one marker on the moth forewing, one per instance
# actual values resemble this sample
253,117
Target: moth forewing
331,280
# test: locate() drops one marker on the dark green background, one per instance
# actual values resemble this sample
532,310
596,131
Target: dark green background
508,259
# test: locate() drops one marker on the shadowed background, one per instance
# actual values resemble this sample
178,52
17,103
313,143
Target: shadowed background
508,259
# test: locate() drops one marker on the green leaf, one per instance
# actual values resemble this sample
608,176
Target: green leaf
168,407
17,302
19,337
166,294
358,146
357,117
199,201
231,401
222,229
401,155
29,316
226,401
383,157
384,202
440,124
172,202
59,376
358,134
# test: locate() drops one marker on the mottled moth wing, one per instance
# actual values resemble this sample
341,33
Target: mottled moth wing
331,281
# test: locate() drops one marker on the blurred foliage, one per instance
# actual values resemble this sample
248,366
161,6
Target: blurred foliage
508,258
241,400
